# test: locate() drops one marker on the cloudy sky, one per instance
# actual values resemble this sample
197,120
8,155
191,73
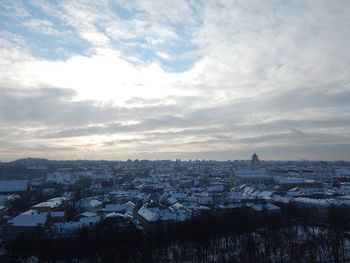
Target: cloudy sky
175,79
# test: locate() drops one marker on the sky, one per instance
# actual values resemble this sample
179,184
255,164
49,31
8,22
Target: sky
168,79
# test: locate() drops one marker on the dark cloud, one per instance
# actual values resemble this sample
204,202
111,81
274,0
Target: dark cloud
52,106
331,96
38,147
53,114
235,118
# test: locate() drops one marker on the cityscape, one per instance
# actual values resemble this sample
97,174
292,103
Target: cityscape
50,202
186,131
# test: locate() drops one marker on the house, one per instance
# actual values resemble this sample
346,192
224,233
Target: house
152,212
119,220
28,222
91,204
69,228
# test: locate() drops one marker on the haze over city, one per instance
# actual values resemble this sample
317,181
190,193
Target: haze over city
175,79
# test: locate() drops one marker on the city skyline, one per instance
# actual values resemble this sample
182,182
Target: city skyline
218,80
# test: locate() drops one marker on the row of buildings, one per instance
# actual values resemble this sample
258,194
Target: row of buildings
67,200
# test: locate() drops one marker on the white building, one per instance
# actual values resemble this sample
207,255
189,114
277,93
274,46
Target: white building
260,176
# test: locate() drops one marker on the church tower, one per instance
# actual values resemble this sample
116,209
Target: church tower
255,162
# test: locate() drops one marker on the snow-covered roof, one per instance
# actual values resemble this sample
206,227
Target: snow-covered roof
115,207
95,203
8,186
130,204
50,204
154,214
248,190
5,198
149,214
29,220
113,215
88,214
176,206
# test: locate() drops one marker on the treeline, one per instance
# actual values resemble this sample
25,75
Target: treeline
235,236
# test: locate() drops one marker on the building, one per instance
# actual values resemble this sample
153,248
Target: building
152,212
255,161
287,183
28,222
250,177
53,204
320,207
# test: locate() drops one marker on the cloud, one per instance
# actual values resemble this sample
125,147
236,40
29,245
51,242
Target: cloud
188,78
51,106
42,26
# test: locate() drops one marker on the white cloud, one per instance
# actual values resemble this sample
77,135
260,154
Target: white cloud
42,26
100,76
